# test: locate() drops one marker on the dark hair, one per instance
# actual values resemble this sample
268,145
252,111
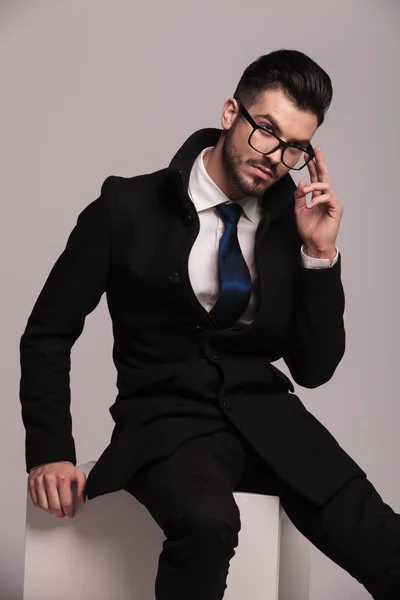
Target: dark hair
304,82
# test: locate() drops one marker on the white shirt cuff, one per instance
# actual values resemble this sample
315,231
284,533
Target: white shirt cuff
310,262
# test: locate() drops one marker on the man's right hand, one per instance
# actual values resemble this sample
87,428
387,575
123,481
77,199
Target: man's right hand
50,487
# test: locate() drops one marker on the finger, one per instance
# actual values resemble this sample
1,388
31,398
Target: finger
321,165
50,483
324,199
319,186
66,498
32,491
41,494
312,167
80,479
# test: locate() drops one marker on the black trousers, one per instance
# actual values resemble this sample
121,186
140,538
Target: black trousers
190,496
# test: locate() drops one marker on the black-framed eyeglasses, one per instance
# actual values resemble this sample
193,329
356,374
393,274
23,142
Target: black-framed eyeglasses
263,140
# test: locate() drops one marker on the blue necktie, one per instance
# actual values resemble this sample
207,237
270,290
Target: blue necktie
235,279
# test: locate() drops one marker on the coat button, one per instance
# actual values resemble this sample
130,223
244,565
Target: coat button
198,329
187,219
215,357
174,277
226,405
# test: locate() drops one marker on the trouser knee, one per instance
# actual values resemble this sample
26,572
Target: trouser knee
208,536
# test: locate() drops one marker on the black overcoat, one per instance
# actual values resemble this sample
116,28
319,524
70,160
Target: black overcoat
178,375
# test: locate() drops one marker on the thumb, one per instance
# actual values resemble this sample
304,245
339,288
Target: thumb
300,195
80,480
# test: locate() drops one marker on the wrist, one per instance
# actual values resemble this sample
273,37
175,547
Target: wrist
329,253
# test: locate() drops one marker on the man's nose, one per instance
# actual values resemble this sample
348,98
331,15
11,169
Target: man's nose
275,157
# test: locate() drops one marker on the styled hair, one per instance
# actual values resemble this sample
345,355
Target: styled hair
303,81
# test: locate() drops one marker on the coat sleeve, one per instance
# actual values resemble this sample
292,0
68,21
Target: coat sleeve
317,340
72,290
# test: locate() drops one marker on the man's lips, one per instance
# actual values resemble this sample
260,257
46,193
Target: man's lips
263,172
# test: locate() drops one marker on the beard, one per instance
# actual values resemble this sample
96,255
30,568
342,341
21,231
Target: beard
250,186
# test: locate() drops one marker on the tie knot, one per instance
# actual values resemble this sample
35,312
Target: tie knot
230,212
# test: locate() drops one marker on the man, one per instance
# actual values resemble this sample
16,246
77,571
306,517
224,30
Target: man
213,268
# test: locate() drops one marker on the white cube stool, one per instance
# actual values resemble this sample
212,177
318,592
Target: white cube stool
110,550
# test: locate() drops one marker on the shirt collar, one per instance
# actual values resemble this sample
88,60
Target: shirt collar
205,194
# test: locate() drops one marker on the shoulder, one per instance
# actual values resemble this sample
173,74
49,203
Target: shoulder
135,196
144,183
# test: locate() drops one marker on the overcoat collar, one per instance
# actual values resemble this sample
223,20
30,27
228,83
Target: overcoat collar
275,200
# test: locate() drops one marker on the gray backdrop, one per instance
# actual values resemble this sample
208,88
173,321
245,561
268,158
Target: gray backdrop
85,85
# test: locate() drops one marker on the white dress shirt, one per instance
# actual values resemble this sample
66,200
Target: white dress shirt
203,258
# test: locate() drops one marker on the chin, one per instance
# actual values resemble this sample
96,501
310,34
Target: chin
258,185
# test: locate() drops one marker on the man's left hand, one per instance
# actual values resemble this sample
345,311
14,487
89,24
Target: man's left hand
318,222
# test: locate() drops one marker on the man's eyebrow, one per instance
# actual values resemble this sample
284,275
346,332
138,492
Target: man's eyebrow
278,130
